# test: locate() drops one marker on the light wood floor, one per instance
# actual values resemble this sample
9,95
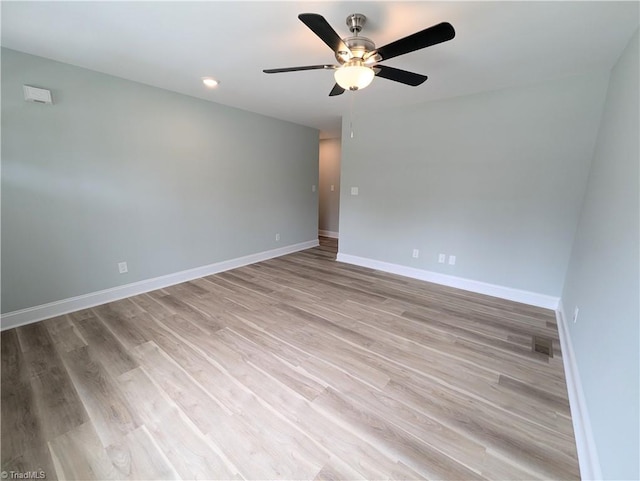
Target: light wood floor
294,368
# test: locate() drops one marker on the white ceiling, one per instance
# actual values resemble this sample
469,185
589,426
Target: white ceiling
173,44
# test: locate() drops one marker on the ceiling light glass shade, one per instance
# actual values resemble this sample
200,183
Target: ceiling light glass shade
354,75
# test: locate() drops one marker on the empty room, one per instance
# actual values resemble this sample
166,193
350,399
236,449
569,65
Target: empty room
320,240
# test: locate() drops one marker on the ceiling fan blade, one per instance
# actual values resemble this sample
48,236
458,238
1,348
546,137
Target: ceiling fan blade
402,76
424,38
295,69
322,29
336,90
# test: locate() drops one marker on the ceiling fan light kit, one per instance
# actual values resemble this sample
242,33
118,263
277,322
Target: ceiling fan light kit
358,57
354,75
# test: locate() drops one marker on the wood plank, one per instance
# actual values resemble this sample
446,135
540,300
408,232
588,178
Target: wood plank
64,333
530,447
397,442
371,463
139,457
104,345
284,373
79,455
200,406
125,322
100,395
20,422
192,455
35,460
58,407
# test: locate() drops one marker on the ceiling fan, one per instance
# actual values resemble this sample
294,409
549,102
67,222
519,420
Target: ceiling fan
359,59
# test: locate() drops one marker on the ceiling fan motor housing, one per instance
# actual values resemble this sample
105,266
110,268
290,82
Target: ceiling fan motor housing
358,47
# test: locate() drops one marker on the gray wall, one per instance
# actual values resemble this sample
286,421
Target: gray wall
603,278
120,171
495,178
329,175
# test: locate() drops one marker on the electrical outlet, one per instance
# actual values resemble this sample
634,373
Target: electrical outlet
416,253
277,237
441,258
333,187
575,314
122,267
452,260
354,191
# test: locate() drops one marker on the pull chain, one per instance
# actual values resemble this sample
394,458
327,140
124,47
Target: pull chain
351,103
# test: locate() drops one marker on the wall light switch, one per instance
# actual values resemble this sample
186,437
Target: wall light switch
452,260
354,191
122,267
442,258
416,253
313,188
333,187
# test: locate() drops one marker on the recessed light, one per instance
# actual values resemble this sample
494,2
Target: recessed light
210,82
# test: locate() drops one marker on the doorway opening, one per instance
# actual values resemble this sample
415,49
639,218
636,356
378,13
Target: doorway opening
329,192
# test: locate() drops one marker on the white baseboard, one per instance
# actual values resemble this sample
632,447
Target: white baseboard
64,306
517,295
328,233
585,444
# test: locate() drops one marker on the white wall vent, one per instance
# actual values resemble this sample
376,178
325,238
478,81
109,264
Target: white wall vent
34,94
